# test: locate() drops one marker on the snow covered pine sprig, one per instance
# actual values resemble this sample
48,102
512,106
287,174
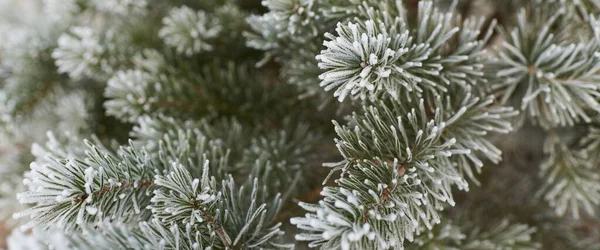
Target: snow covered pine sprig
134,187
400,164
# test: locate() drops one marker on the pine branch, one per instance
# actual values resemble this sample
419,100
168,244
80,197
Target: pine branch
384,55
196,203
454,236
400,165
189,31
85,190
108,189
571,182
549,79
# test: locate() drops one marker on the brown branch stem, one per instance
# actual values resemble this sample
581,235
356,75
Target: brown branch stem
109,188
213,222
385,196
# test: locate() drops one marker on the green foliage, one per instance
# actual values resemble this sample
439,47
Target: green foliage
571,179
134,187
385,55
222,215
188,31
210,123
400,166
500,236
552,81
77,191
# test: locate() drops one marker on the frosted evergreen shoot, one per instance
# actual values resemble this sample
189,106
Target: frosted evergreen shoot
571,180
189,31
555,80
395,178
387,56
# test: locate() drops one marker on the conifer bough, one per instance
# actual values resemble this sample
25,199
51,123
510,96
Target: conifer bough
295,124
